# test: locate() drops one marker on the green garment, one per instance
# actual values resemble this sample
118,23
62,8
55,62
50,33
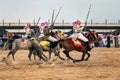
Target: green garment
46,31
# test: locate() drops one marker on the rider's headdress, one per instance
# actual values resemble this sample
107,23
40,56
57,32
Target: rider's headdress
27,25
43,24
75,23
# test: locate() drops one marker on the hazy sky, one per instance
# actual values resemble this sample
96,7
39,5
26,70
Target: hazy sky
28,10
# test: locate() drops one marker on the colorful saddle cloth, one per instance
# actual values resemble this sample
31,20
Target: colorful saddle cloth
76,43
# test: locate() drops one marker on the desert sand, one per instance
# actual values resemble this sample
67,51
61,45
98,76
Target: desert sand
103,64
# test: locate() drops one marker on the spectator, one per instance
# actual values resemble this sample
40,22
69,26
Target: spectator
116,40
108,41
104,40
119,39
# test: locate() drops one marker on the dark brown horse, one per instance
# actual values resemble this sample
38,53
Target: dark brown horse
69,46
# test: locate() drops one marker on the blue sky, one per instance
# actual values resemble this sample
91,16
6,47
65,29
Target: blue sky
28,10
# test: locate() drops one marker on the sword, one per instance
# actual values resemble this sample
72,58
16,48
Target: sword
87,15
38,21
53,21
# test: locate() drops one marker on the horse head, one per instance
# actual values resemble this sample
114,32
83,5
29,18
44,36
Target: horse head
60,34
9,34
92,36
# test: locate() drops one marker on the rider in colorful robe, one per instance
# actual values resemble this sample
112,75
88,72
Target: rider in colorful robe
78,33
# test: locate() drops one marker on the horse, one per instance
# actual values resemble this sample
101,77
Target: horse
15,45
30,44
69,45
45,44
35,48
56,49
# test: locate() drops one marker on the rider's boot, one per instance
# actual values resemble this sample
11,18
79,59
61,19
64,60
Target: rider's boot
88,46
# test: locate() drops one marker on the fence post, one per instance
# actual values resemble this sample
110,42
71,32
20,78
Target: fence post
3,22
34,22
118,22
19,22
91,23
63,25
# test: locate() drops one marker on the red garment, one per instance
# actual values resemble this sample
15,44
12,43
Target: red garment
75,45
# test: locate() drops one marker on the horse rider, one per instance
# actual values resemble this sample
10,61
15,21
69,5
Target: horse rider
78,33
15,45
41,27
9,39
27,30
36,32
54,39
44,31
51,36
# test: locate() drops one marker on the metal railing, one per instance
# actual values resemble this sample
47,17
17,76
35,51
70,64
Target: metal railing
59,24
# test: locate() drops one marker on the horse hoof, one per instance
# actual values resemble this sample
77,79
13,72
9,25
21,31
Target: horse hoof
74,61
3,59
85,60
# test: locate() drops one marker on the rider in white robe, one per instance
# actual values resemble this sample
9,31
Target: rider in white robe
27,30
78,33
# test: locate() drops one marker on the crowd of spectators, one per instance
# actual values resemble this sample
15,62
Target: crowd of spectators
108,40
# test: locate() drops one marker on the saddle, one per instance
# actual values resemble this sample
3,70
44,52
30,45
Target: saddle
45,43
76,43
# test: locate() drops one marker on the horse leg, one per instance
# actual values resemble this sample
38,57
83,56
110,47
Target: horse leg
50,51
38,47
9,53
58,48
83,55
45,56
13,53
88,56
82,59
30,53
55,53
68,56
60,56
35,53
41,55
13,56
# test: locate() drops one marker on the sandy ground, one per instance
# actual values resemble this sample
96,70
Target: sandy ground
104,64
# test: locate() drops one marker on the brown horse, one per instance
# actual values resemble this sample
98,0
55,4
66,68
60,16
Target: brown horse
69,46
